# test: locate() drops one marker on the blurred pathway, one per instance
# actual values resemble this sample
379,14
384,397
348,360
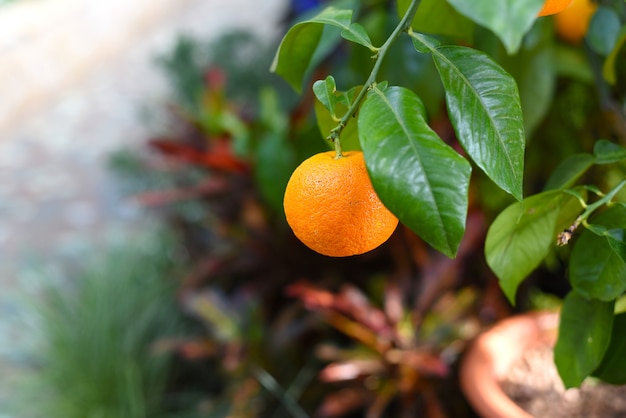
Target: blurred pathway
74,75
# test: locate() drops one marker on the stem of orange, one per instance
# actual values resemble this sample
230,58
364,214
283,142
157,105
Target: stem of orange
403,26
338,153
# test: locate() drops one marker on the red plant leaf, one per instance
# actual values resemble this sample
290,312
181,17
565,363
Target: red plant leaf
342,402
422,361
394,308
221,157
350,302
353,302
218,156
193,350
175,149
314,298
215,78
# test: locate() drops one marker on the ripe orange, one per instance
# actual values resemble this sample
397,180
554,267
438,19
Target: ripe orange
332,208
572,23
551,7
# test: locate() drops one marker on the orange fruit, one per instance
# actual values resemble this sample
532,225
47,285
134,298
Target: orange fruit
331,206
571,24
551,7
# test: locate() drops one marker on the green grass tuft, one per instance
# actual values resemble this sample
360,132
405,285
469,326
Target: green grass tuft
97,334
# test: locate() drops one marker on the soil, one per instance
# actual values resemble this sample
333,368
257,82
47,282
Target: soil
534,384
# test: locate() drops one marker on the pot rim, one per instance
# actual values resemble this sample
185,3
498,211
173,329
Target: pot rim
492,354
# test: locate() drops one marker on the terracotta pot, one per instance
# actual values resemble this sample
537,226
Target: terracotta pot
493,353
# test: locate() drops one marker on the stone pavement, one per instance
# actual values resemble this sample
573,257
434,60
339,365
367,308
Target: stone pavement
75,75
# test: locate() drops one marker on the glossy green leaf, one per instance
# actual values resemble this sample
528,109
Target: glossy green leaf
608,69
617,241
325,90
485,110
613,367
523,234
608,152
509,20
569,170
298,46
584,335
603,30
418,177
356,33
596,270
424,43
438,17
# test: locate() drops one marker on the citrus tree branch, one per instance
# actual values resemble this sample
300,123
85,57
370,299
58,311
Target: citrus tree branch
606,199
403,26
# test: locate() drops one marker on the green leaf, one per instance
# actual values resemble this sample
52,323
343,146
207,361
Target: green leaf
608,152
509,20
569,170
484,108
608,69
325,122
584,335
347,97
418,177
594,189
439,18
617,242
356,33
523,234
616,238
275,161
603,31
596,270
325,90
599,230
613,367
301,41
424,43
382,86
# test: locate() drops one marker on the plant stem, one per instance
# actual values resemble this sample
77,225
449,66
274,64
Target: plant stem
403,26
606,199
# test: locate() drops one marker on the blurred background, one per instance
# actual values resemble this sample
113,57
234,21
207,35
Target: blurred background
146,269
80,81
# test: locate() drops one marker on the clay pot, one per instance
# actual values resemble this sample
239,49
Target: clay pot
492,355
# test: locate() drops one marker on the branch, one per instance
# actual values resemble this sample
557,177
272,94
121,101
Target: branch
403,26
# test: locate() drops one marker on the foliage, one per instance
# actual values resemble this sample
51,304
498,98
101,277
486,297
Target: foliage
403,154
427,96
425,181
98,332
258,347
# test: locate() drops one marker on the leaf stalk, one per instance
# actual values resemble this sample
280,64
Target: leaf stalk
606,199
403,26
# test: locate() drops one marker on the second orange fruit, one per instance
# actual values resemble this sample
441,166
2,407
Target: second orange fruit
551,7
572,23
332,207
